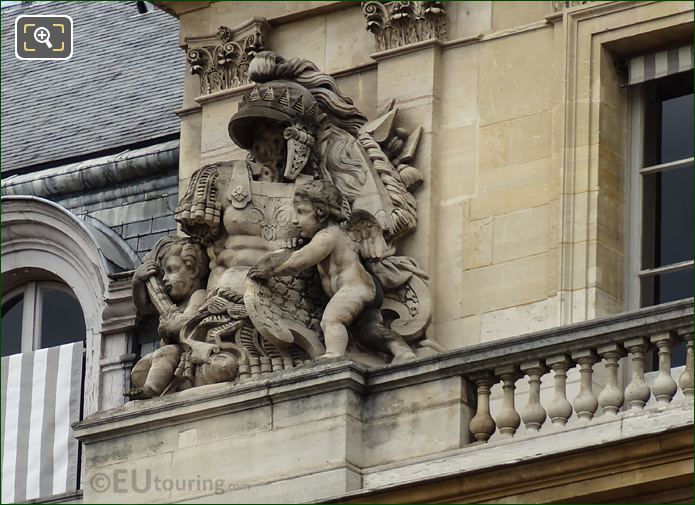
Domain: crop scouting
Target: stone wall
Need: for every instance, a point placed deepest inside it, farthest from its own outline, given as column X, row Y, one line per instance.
column 293, row 437
column 521, row 227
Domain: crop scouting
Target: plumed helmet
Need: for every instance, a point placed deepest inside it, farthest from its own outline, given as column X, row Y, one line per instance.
column 284, row 102
column 292, row 91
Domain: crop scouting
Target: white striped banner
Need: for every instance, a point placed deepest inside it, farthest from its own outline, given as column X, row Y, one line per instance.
column 656, row 65
column 40, row 399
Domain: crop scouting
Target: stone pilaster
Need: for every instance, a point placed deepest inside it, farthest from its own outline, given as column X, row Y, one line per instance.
column 411, row 75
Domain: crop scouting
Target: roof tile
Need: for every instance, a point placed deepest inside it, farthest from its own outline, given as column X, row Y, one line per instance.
column 121, row 86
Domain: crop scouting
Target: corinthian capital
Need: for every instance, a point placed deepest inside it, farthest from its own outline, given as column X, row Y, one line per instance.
column 397, row 24
column 222, row 60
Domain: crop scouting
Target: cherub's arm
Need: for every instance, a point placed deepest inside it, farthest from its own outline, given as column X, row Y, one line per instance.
column 140, row 297
column 170, row 325
column 320, row 247
column 196, row 301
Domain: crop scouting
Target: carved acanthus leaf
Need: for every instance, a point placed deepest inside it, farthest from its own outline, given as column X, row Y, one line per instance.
column 558, row 6
column 223, row 64
column 396, row 24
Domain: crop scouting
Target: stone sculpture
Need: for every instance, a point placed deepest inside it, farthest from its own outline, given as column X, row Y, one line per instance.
column 338, row 249
column 301, row 241
column 170, row 282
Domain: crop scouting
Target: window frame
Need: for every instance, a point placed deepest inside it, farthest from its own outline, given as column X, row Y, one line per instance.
column 32, row 291
column 637, row 235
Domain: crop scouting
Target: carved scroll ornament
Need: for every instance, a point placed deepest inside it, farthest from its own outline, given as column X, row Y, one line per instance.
column 558, row 6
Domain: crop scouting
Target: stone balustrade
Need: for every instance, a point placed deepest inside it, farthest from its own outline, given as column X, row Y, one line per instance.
column 584, row 346
column 334, row 428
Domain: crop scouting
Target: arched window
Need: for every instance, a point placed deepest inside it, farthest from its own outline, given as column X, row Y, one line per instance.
column 39, row 315
column 42, row 241
column 65, row 315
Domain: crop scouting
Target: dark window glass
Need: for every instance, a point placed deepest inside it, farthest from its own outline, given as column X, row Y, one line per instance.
column 677, row 128
column 671, row 192
column 667, row 231
column 12, row 326
column 668, row 119
column 62, row 321
column 147, row 337
column 668, row 287
column 674, row 286
column 678, row 354
column 668, row 211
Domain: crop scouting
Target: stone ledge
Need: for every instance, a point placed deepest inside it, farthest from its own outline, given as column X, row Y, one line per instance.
column 236, row 92
column 290, row 427
column 69, row 497
column 601, row 431
column 225, row 93
column 660, row 435
column 217, row 398
column 329, row 438
column 408, row 48
column 379, row 429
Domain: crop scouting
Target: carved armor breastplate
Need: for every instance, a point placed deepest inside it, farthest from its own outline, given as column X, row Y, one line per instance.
column 251, row 208
column 260, row 209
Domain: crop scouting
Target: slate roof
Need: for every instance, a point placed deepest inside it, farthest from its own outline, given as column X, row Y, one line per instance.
column 120, row 88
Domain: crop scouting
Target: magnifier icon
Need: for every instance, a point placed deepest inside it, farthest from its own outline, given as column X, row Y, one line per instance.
column 43, row 36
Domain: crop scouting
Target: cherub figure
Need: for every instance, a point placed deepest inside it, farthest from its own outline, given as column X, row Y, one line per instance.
column 171, row 280
column 337, row 247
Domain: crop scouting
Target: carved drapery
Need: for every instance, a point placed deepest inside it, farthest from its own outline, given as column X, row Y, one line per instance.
column 222, row 62
column 396, row 24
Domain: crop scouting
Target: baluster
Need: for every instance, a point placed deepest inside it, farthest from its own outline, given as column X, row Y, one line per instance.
column 686, row 379
column 482, row 425
column 664, row 386
column 533, row 414
column 561, row 409
column 508, row 420
column 611, row 397
column 585, row 404
column 637, row 392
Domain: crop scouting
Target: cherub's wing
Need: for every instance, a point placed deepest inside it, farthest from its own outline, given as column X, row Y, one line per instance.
column 407, row 304
column 365, row 231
